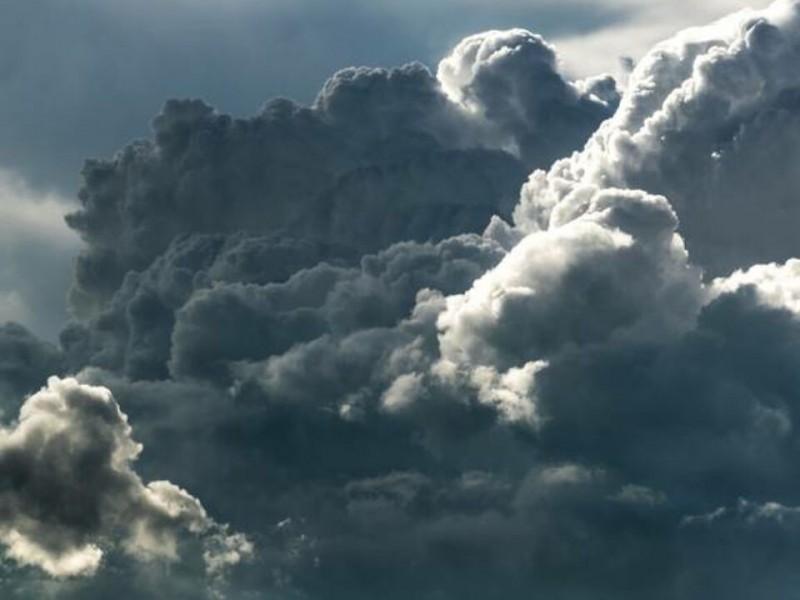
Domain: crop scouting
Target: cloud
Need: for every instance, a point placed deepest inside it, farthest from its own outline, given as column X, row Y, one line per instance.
column 292, row 219
column 71, row 494
column 701, row 111
column 596, row 398
column 382, row 156
column 511, row 79
column 610, row 402
column 376, row 146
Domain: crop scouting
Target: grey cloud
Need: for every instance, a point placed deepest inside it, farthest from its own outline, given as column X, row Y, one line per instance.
column 561, row 407
column 668, row 401
column 207, row 173
column 320, row 300
column 383, row 156
column 362, row 168
column 511, row 79
column 133, row 333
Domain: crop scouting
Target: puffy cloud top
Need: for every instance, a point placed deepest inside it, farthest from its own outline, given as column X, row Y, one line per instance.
column 511, row 79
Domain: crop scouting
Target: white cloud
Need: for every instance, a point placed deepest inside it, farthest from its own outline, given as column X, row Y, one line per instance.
column 71, row 493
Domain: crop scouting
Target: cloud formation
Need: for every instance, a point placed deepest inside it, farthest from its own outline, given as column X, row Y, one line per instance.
column 707, row 120
column 511, row 79
column 331, row 324
column 603, row 403
column 70, row 493
column 382, row 156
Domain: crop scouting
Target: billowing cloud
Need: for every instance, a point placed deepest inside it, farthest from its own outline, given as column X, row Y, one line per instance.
column 332, row 326
column 70, row 493
column 708, row 121
column 511, row 79
column 602, row 407
column 382, row 156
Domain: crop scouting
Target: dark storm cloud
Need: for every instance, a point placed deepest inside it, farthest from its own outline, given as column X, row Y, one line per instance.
column 382, row 156
column 79, row 79
column 587, row 411
column 325, row 299
column 391, row 404
column 219, row 220
column 284, row 171
column 133, row 332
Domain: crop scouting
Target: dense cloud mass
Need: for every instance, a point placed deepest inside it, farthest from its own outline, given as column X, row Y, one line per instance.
column 382, row 156
column 342, row 329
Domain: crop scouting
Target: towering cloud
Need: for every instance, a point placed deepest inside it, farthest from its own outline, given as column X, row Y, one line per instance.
column 510, row 79
column 382, row 156
column 709, row 120
column 331, row 324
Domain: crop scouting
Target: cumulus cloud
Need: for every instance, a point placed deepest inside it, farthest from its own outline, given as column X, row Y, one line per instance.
column 319, row 223
column 613, row 404
column 595, row 397
column 707, row 120
column 70, row 492
column 382, row 156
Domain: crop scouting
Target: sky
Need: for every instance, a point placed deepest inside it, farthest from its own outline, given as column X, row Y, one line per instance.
column 310, row 300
